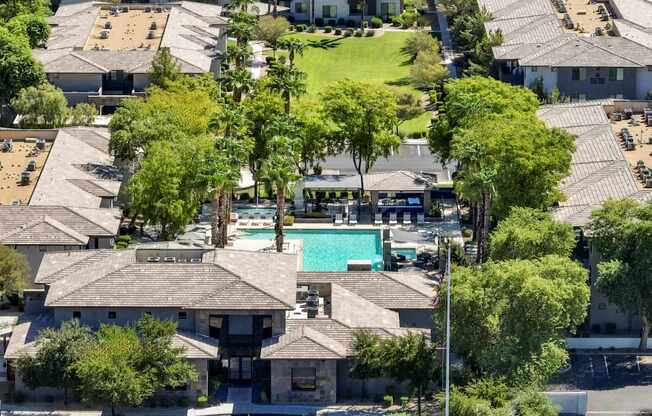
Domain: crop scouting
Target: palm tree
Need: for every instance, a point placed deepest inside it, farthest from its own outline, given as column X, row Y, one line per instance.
column 288, row 81
column 239, row 55
column 239, row 81
column 294, row 47
column 279, row 170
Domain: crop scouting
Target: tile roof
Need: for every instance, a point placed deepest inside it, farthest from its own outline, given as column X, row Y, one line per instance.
column 599, row 169
column 227, row 279
column 356, row 312
column 192, row 33
column 25, row 334
column 51, row 225
column 304, row 343
column 393, row 181
column 638, row 12
column 390, row 290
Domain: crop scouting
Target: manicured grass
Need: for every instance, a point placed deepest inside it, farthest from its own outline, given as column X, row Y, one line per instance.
column 376, row 60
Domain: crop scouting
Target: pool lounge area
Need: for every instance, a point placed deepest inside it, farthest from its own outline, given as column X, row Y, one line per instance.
column 330, row 249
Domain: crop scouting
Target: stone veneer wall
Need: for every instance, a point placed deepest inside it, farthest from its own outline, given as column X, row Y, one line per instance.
column 281, row 381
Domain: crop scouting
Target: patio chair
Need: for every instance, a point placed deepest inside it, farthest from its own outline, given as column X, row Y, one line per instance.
column 255, row 220
column 378, row 220
column 353, row 219
column 407, row 218
column 420, row 219
column 392, row 218
column 338, row 219
column 266, row 221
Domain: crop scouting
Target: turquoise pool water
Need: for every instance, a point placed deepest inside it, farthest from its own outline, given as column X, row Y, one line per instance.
column 330, row 250
column 408, row 253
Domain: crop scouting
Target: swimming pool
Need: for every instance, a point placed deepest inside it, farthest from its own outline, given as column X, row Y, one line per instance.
column 330, row 250
column 408, row 253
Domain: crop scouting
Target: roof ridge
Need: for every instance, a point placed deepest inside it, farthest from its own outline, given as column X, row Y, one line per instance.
column 88, row 61
column 64, row 228
column 404, row 284
column 304, row 331
column 617, row 54
column 74, row 211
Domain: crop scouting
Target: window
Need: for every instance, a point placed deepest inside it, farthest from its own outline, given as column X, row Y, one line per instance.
column 76, row 315
column 300, row 7
column 534, row 69
column 620, row 74
column 304, row 379
column 112, row 314
column 578, row 74
column 612, row 74
column 329, row 11
column 183, row 315
column 241, row 325
column 582, row 97
column 389, row 9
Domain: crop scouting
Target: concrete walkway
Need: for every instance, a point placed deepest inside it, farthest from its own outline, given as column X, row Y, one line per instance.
column 447, row 43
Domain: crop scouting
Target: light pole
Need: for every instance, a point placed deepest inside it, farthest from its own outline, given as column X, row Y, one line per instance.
column 448, row 328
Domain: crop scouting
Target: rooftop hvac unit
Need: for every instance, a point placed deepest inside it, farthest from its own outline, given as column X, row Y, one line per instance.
column 153, row 259
column 195, row 260
column 151, row 34
column 148, row 9
column 108, row 25
column 153, row 26
column 104, row 34
column 24, row 177
column 40, row 144
column 31, row 166
column 169, row 259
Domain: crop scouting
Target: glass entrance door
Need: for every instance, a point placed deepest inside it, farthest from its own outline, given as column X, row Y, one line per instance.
column 240, row 370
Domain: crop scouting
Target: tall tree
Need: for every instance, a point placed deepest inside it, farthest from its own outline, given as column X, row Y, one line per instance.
column 57, row 352
column 83, row 114
column 510, row 317
column 270, row 29
column 427, row 71
column 279, row 170
column 294, row 47
column 411, row 358
column 367, row 358
column 420, row 41
column 529, row 234
column 312, row 132
column 33, row 26
column 165, row 68
column 15, row 274
column 289, row 81
column 408, row 107
column 42, row 107
column 363, row 116
column 622, row 230
column 12, row 8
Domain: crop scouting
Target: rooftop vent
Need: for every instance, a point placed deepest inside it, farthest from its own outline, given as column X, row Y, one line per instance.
column 169, row 259
column 153, row 259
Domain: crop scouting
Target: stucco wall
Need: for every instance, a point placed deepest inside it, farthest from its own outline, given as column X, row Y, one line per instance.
column 76, row 82
column 141, row 81
column 643, row 83
column 278, row 319
column 35, row 254
column 95, row 316
column 610, row 89
column 415, row 318
column 281, row 384
column 548, row 76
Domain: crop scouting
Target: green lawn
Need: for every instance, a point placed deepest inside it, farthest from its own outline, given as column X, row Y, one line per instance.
column 376, row 60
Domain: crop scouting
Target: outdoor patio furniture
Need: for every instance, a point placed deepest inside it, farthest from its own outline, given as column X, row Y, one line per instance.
column 407, row 218
column 267, row 222
column 353, row 219
column 392, row 218
column 255, row 221
column 338, row 219
column 421, row 219
column 378, row 219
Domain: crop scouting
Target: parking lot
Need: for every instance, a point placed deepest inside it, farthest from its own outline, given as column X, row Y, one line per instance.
column 616, row 383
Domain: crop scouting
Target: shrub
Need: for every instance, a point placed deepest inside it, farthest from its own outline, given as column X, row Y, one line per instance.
column 341, row 21
column 244, row 196
column 291, row 28
column 328, row 29
column 126, row 238
column 348, row 32
column 183, row 401
column 19, row 396
column 610, row 328
column 288, row 220
column 300, row 28
column 467, row 233
column 202, row 401
column 365, row 24
column 331, row 22
column 396, row 21
column 388, row 400
column 121, row 245
column 369, row 33
column 338, row 31
column 319, row 21
column 359, row 33
column 311, row 29
column 376, row 22
column 404, row 401
column 351, row 23
column 315, row 214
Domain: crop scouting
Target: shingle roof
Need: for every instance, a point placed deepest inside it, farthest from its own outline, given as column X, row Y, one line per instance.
column 228, row 279
column 49, row 225
column 390, row 290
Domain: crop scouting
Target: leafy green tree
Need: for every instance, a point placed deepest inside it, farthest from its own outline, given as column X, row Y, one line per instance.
column 622, row 230
column 294, row 47
column 270, row 29
column 311, row 134
column 420, row 42
column 367, row 361
column 83, row 114
column 533, row 403
column 238, row 81
column 12, row 8
column 481, row 62
column 53, row 365
column 411, row 358
column 510, row 317
column 44, row 106
column 408, row 107
column 279, row 170
column 18, row 69
column 509, row 160
column 529, row 234
column 363, row 116
column 109, row 371
column 15, row 272
column 33, row 26
column 494, row 390
column 427, row 71
column 289, row 81
column 165, row 68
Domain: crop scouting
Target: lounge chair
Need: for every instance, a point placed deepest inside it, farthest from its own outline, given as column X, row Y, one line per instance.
column 392, row 218
column 338, row 219
column 353, row 219
column 407, row 218
column 243, row 222
column 379, row 219
column 420, row 219
column 267, row 221
column 255, row 220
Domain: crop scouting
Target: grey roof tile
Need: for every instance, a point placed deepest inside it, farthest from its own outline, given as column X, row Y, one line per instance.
column 304, row 343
